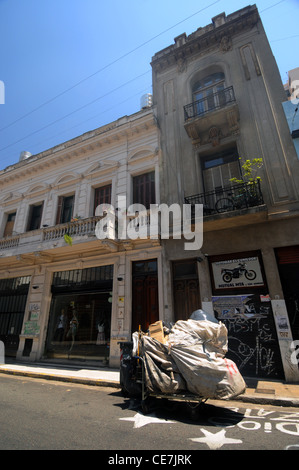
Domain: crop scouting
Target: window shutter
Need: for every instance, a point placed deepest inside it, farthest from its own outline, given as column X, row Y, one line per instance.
column 288, row 255
column 102, row 195
column 59, row 209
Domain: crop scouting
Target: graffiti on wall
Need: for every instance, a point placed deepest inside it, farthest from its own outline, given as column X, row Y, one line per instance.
column 252, row 342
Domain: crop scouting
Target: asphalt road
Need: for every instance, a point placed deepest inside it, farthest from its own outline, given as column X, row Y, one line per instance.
column 46, row 415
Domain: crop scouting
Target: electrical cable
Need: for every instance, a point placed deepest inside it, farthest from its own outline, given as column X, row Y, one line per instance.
column 106, row 66
column 73, row 112
column 100, row 70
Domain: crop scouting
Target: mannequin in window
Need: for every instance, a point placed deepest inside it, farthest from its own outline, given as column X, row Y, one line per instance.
column 60, row 327
column 74, row 325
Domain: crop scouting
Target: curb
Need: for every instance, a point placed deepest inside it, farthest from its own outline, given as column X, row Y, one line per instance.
column 63, row 378
column 258, row 400
column 275, row 401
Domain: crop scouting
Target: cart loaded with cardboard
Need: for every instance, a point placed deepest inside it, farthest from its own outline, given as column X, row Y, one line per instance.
column 184, row 361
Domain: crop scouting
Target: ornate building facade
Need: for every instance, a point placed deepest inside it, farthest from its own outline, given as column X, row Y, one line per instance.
column 65, row 291
column 217, row 103
column 219, row 96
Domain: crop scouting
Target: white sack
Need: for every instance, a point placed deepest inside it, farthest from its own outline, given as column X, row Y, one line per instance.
column 213, row 335
column 207, row 375
column 193, row 360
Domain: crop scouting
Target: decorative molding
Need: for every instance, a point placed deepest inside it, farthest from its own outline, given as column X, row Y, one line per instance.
column 215, row 136
column 100, row 167
column 225, row 44
column 217, row 35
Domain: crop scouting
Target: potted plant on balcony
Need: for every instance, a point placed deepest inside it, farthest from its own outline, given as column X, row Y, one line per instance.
column 68, row 239
column 250, row 169
column 75, row 218
column 250, row 181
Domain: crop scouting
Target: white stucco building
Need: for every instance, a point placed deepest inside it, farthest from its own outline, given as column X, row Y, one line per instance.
column 45, row 281
column 218, row 100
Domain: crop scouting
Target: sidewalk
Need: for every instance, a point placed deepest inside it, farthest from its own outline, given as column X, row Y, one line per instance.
column 76, row 373
column 258, row 391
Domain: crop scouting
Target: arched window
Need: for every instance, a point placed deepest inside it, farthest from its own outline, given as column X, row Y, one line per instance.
column 208, row 93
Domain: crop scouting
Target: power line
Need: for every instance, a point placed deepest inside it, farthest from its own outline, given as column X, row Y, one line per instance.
column 106, row 66
column 283, row 39
column 272, row 6
column 100, row 70
column 73, row 112
column 97, row 115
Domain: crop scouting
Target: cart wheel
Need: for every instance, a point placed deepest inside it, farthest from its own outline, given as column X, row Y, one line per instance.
column 195, row 410
column 125, row 393
column 145, row 406
column 169, row 405
column 194, row 414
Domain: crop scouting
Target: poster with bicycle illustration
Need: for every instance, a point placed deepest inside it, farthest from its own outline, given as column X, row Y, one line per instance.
column 237, row 273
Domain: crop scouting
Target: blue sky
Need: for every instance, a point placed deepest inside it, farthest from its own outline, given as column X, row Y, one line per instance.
column 69, row 66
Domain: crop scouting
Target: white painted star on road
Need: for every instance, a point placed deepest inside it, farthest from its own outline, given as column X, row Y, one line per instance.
column 142, row 420
column 215, row 441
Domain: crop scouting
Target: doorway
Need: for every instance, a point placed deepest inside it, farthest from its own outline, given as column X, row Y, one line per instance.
column 185, row 288
column 145, row 299
column 288, row 266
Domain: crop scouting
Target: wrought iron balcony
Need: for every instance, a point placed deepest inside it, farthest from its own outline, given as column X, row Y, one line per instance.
column 231, row 198
column 213, row 117
column 209, row 103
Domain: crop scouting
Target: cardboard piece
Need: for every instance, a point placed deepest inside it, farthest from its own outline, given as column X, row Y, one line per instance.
column 156, row 331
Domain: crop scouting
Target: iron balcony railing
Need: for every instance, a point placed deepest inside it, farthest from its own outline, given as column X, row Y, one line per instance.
column 209, row 103
column 227, row 199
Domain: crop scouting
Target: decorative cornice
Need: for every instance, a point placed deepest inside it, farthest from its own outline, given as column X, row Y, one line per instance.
column 116, row 131
column 215, row 35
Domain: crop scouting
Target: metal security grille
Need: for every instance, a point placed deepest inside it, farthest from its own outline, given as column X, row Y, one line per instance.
column 14, row 285
column 83, row 279
column 13, row 298
column 11, row 314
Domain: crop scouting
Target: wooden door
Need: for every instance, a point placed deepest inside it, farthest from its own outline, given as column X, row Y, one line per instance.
column 9, row 225
column 145, row 302
column 186, row 294
column 186, row 298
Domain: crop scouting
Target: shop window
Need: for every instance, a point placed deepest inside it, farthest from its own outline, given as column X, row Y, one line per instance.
column 8, row 230
column 35, row 217
column 79, row 326
column 144, row 189
column 102, row 195
column 64, row 209
column 80, row 314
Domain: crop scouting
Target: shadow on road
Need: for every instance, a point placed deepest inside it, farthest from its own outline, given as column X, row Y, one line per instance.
column 183, row 411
